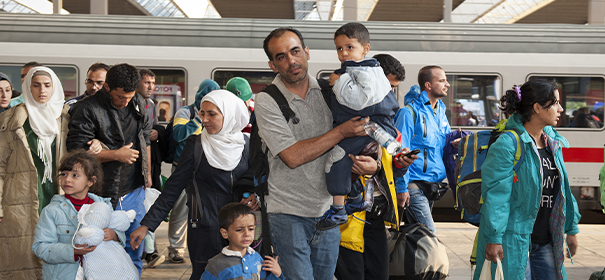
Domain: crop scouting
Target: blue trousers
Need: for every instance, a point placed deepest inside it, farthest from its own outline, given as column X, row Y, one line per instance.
column 421, row 207
column 304, row 251
column 134, row 201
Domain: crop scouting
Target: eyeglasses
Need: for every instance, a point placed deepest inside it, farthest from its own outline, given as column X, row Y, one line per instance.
column 96, row 83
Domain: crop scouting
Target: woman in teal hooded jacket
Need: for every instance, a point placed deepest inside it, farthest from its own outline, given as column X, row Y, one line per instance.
column 525, row 216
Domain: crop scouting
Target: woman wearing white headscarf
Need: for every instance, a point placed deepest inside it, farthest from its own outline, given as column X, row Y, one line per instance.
column 32, row 140
column 224, row 160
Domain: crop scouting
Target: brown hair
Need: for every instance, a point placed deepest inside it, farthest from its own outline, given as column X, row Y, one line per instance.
column 90, row 166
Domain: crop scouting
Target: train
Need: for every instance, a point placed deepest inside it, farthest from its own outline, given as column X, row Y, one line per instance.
column 481, row 62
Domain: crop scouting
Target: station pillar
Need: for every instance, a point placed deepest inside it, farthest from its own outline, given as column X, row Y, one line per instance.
column 447, row 11
column 98, row 7
column 596, row 11
column 349, row 10
column 57, row 6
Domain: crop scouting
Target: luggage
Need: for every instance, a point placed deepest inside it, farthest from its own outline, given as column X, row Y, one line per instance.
column 472, row 152
column 416, row 253
column 486, row 272
column 597, row 275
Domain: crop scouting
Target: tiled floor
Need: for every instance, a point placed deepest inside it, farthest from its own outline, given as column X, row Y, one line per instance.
column 457, row 237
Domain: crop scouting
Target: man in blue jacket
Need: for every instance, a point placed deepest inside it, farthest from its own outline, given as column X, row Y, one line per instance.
column 425, row 127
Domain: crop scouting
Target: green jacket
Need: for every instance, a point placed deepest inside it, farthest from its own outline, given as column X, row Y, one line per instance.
column 511, row 202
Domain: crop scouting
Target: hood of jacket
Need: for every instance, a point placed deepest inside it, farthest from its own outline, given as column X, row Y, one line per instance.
column 206, row 86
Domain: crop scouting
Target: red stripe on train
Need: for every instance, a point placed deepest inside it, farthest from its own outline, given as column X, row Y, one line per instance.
column 583, row 155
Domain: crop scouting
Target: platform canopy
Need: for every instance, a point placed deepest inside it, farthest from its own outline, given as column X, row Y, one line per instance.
column 463, row 11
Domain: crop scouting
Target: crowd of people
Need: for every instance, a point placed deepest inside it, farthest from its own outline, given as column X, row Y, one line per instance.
column 104, row 146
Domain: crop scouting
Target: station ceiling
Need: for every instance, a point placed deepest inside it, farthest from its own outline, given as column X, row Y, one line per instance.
column 534, row 11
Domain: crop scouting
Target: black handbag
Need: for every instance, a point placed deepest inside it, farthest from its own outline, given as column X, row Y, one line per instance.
column 432, row 191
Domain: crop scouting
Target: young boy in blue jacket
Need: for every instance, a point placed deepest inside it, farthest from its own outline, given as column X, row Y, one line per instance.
column 360, row 89
column 238, row 260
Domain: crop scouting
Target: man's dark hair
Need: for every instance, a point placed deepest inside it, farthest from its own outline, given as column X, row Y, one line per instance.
column 354, row 30
column 146, row 72
column 232, row 211
column 98, row 66
column 31, row 64
column 278, row 33
column 390, row 65
column 426, row 75
column 124, row 76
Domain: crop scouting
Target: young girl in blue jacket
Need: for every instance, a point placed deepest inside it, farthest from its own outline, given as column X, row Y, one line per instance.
column 525, row 216
column 79, row 172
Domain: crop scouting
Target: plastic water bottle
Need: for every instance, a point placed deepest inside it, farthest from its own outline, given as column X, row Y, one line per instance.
column 383, row 138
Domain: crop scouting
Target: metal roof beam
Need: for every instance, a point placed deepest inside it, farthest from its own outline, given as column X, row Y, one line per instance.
column 511, row 11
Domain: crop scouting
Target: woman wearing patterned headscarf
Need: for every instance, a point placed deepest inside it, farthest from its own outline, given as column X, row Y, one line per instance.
column 224, row 159
column 32, row 140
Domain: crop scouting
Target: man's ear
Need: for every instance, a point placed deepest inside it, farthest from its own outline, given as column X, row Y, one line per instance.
column 106, row 86
column 272, row 66
column 307, row 52
column 224, row 233
column 428, row 86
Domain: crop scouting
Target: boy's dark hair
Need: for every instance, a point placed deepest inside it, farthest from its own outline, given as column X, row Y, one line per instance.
column 98, row 66
column 90, row 165
column 232, row 211
column 533, row 91
column 124, row 76
column 426, row 75
column 146, row 72
column 278, row 33
column 354, row 30
column 390, row 65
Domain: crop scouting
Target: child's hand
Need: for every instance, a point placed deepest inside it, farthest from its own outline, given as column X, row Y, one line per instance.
column 333, row 78
column 270, row 264
column 110, row 234
column 85, row 250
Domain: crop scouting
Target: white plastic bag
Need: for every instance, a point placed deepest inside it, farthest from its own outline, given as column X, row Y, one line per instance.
column 486, row 272
column 151, row 195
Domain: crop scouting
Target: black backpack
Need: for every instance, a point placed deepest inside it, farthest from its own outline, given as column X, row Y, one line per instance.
column 258, row 154
column 170, row 142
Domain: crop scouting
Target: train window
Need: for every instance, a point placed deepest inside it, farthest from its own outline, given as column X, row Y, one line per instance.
column 473, row 100
column 68, row 75
column 170, row 91
column 582, row 99
column 257, row 78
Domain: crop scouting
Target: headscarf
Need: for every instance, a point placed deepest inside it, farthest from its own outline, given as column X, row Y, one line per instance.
column 206, row 86
column 43, row 117
column 224, row 149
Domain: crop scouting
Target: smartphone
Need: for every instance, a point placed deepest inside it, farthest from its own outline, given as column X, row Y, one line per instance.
column 411, row 153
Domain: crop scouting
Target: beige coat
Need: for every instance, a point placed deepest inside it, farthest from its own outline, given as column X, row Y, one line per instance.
column 19, row 194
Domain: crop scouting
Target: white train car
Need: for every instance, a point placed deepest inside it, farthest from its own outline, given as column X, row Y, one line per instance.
column 481, row 61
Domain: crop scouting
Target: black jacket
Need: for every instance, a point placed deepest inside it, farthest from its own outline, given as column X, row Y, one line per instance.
column 95, row 117
column 215, row 187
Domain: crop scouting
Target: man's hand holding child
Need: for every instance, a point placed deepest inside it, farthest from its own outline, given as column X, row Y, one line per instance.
column 270, row 264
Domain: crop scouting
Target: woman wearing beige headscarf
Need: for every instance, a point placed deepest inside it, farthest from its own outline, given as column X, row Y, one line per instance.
column 32, row 140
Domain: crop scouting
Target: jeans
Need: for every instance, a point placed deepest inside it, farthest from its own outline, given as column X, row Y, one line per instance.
column 134, row 201
column 541, row 261
column 303, row 250
column 177, row 226
column 421, row 207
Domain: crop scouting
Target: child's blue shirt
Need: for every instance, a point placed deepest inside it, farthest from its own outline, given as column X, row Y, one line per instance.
column 230, row 265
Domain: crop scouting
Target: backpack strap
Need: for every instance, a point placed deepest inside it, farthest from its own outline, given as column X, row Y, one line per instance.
column 326, row 91
column 519, row 149
column 282, row 103
column 412, row 112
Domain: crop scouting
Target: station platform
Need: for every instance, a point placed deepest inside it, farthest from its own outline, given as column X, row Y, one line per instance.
column 458, row 239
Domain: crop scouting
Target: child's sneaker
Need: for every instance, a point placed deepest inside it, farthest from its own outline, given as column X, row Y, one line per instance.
column 357, row 204
column 332, row 218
